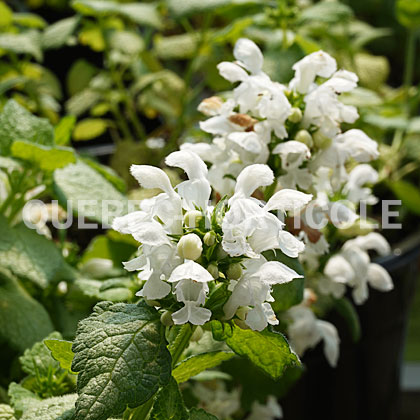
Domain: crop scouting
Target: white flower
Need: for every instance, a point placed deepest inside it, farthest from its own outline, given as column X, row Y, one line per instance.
column 306, row 331
column 269, row 411
column 359, row 176
column 318, row 63
column 249, row 228
column 254, row 288
column 191, row 289
column 196, row 191
column 352, row 266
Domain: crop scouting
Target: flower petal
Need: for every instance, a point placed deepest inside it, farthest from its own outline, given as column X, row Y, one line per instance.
column 248, row 53
column 251, row 178
column 231, row 72
column 379, row 278
column 189, row 161
column 275, row 272
column 152, row 177
column 190, row 270
column 288, row 200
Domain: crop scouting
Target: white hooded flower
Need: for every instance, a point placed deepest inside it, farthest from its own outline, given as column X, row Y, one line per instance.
column 269, row 411
column 358, row 177
column 352, row 266
column 318, row 63
column 254, row 288
column 305, row 331
column 191, row 288
column 293, row 154
column 249, row 228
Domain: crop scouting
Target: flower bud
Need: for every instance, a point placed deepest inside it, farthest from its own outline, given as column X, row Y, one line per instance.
column 166, row 319
column 295, row 115
column 192, row 218
column 152, row 302
column 304, row 137
column 209, row 238
column 213, row 270
column 197, row 334
column 190, row 247
column 234, row 272
column 321, row 141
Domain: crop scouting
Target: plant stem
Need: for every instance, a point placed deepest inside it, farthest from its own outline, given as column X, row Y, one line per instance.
column 142, row 412
column 409, row 64
column 181, row 342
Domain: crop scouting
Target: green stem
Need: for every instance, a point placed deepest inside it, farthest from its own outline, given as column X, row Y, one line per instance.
column 409, row 64
column 181, row 342
column 142, row 412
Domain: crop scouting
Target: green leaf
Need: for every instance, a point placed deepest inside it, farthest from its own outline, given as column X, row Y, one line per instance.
column 347, row 310
column 200, row 414
column 61, row 352
column 102, row 246
column 59, row 33
column 45, row 157
column 121, row 357
column 387, row 123
column 31, row 256
column 5, row 15
column 98, row 289
column 88, row 193
column 181, row 8
column 408, row 13
column 169, row 404
column 21, row 399
column 141, row 13
column 37, row 360
column 7, row 412
column 55, row 408
column 29, row 20
column 16, row 123
column 108, row 173
column 24, row 43
column 82, row 101
column 63, row 130
column 79, row 76
column 408, row 193
column 270, row 351
column 176, row 47
column 196, row 364
column 23, row 320
column 326, row 12
column 89, row 128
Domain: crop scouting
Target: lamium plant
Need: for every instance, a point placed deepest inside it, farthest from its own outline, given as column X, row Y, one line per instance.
column 244, row 258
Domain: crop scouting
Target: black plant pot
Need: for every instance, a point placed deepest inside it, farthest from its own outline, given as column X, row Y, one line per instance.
column 366, row 382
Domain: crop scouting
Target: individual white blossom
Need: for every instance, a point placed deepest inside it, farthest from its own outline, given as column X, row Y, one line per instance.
column 269, row 411
column 305, row 331
column 352, row 266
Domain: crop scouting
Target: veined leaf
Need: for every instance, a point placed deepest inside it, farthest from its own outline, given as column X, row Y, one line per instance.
column 122, row 359
column 169, row 404
column 58, row 34
column 196, row 364
column 89, row 193
column 32, row 256
column 270, row 351
column 200, row 414
column 37, row 360
column 24, row 43
column 55, row 408
column 23, row 320
column 61, row 351
column 141, row 13
column 16, row 123
column 21, row 398
column 46, row 158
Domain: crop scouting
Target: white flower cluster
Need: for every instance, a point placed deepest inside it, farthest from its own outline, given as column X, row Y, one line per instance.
column 296, row 130
column 190, row 248
column 285, row 141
